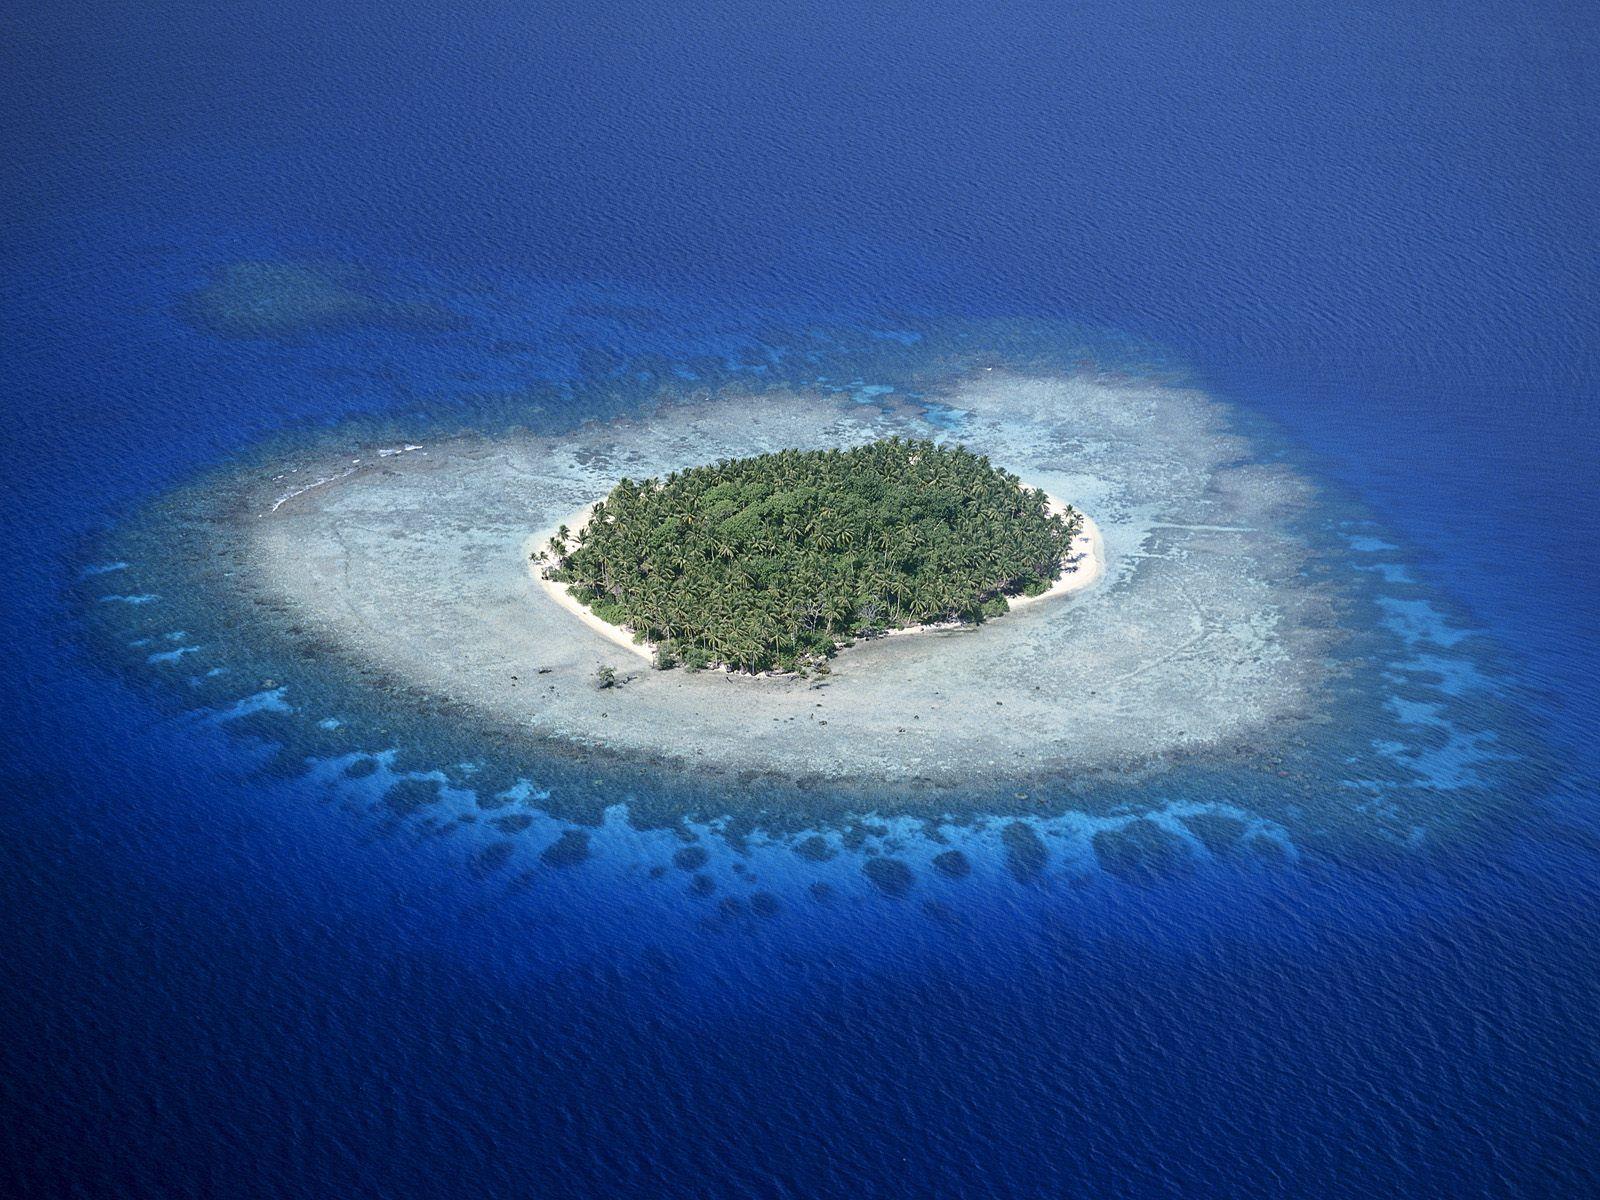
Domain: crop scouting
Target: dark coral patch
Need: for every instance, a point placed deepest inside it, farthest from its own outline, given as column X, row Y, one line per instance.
column 892, row 876
column 1218, row 832
column 492, row 857
column 410, row 796
column 571, row 848
column 1026, row 855
column 1141, row 852
column 814, row 848
column 691, row 858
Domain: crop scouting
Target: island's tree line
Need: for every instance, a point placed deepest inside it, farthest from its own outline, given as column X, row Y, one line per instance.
column 772, row 562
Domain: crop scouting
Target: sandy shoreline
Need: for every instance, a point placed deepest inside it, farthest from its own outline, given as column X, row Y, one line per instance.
column 1087, row 567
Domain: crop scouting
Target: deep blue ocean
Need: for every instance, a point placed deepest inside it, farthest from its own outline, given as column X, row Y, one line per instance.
column 1373, row 227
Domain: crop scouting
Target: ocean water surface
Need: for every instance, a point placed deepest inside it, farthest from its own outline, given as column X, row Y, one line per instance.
column 271, row 932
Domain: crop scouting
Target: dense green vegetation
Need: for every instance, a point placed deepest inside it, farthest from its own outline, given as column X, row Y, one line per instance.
column 772, row 562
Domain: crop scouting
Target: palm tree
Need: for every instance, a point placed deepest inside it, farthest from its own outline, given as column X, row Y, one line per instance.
column 768, row 559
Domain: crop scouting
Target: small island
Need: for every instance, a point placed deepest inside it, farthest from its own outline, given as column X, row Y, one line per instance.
column 1185, row 619
column 774, row 562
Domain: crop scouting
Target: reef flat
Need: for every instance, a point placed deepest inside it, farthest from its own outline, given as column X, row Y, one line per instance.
column 1261, row 664
column 411, row 562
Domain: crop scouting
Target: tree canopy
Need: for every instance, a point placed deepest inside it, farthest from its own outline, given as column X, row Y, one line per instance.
column 773, row 562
